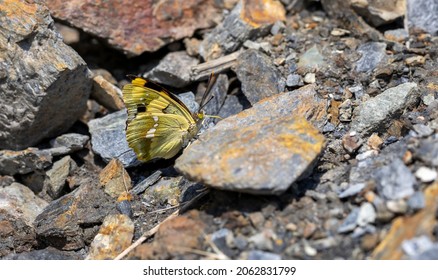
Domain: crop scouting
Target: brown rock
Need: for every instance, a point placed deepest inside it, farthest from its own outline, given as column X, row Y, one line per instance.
column 107, row 94
column 247, row 21
column 380, row 12
column 138, row 26
column 375, row 142
column 417, row 60
column 114, row 178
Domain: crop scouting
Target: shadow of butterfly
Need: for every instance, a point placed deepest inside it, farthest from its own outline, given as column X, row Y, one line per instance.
column 159, row 125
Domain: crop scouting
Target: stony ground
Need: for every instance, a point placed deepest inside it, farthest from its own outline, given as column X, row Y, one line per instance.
column 327, row 147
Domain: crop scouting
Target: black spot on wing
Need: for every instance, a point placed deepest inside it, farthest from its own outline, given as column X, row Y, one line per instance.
column 141, row 108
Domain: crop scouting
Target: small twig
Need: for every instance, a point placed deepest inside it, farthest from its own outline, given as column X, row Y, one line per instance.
column 153, row 230
column 202, row 71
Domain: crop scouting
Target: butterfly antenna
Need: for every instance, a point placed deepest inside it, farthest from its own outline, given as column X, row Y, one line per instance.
column 131, row 76
column 211, row 82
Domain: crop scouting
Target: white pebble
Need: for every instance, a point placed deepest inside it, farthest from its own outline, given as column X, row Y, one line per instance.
column 426, row 174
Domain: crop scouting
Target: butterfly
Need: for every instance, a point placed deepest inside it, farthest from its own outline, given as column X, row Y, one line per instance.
column 159, row 125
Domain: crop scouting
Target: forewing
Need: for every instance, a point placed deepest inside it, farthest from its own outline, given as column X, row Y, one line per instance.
column 156, row 135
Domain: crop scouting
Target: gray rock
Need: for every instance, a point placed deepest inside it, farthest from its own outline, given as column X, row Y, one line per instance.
column 108, row 138
column 415, row 246
column 188, row 98
column 427, row 151
column 258, row 75
column 378, row 13
column 262, row 255
column 373, row 54
column 45, row 83
column 416, row 201
column 395, row 181
column 173, row 70
column 429, row 254
column 278, row 27
column 399, row 35
column 231, row 106
column 222, row 239
column 71, row 222
column 352, row 190
column 312, row 60
column 378, row 112
column 423, row 14
column 45, row 254
column 350, row 222
column 68, row 143
column 422, row 130
column 57, row 176
column 149, row 181
column 23, row 162
column 262, row 240
column 294, row 80
column 219, row 93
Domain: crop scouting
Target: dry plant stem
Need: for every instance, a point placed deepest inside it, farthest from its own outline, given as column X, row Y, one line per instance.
column 202, row 71
column 153, row 230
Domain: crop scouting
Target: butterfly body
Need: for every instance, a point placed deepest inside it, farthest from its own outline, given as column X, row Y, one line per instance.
column 159, row 125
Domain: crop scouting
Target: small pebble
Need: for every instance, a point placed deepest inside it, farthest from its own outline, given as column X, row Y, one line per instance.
column 310, row 78
column 426, row 175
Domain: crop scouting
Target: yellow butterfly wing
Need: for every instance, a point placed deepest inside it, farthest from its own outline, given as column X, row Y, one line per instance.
column 159, row 125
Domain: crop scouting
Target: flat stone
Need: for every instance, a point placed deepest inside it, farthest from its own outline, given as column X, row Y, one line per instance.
column 219, row 93
column 373, row 54
column 380, row 12
column 249, row 19
column 136, row 28
column 423, row 14
column 379, row 111
column 58, row 174
column 114, row 179
column 45, row 83
column 258, row 75
column 115, row 235
column 367, row 214
column 427, row 151
column 23, row 162
column 294, row 80
column 395, row 180
column 108, row 138
column 71, row 221
column 352, row 190
column 68, row 143
column 311, row 61
column 107, row 94
column 173, row 70
column 397, row 35
column 262, row 150
column 231, row 106
column 422, row 130
column 425, row 174
column 350, row 222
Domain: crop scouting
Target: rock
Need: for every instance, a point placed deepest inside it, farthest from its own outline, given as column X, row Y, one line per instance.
column 188, row 98
column 165, row 191
column 41, row 77
column 376, row 113
column 426, row 175
column 294, row 80
column 397, row 35
column 48, row 253
column 249, row 19
column 173, row 70
column 423, row 14
column 311, row 61
column 395, row 181
column 310, row 78
column 408, row 227
column 114, row 179
column 253, row 151
column 345, row 111
column 380, row 12
column 373, row 54
column 108, row 138
column 262, row 47
column 375, row 142
column 309, row 250
column 422, row 130
column 351, row 142
column 258, row 75
column 6, row 180
column 69, row 223
column 416, row 246
column 115, row 235
column 427, row 151
column 166, row 21
column 68, row 143
column 57, row 176
column 350, row 222
column 222, row 239
column 219, row 93
column 416, row 60
column 149, row 181
column 262, row 255
column 231, row 106
column 416, row 201
column 352, row 190
column 23, row 162
column 107, row 94
column 397, row 206
column 429, row 254
column 19, row 207
column 262, row 240
column 367, row 214
column 69, row 35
